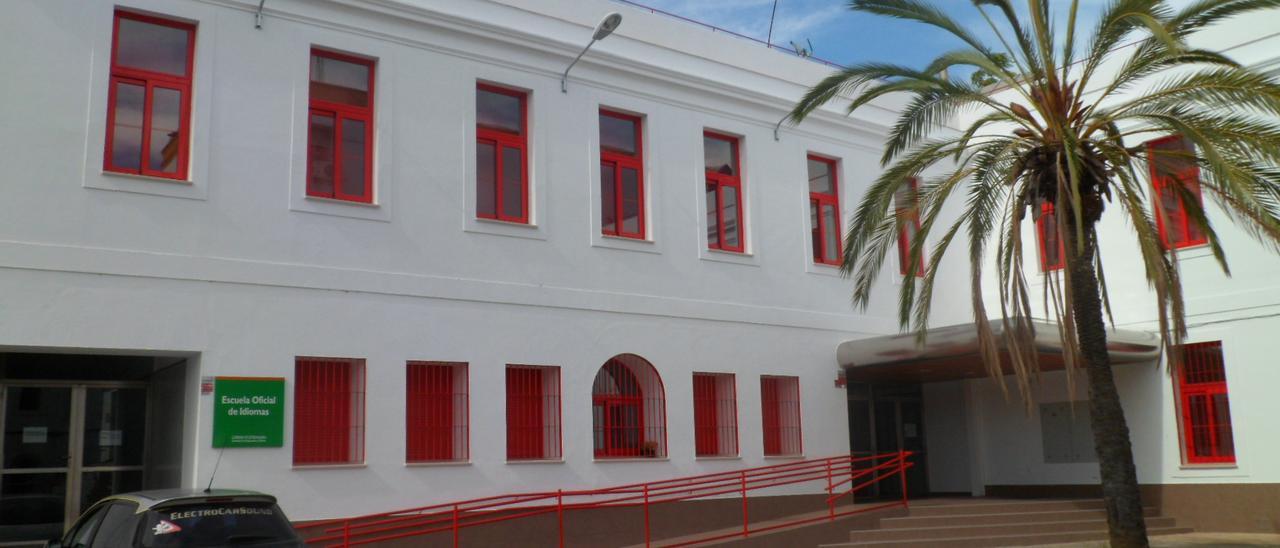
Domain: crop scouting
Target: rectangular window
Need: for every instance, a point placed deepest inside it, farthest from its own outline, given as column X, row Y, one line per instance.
column 1051, row 250
column 149, row 98
column 1172, row 162
column 715, row 415
column 502, row 159
column 724, row 192
column 907, row 208
column 824, row 210
column 621, row 175
column 1206, row 413
column 780, row 409
column 340, row 127
column 328, row 411
column 436, row 411
column 533, row 412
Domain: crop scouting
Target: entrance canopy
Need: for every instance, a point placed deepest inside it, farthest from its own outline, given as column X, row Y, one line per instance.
column 951, row 353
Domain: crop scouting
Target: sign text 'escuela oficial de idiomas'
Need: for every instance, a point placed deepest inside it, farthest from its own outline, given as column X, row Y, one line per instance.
column 248, row 412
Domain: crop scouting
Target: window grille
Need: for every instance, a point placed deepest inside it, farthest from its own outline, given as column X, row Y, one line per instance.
column 715, row 415
column 1206, row 412
column 780, row 408
column 628, row 409
column 533, row 412
column 328, row 418
column 436, row 414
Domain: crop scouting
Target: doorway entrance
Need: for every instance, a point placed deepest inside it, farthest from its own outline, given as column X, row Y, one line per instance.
column 66, row 445
column 886, row 418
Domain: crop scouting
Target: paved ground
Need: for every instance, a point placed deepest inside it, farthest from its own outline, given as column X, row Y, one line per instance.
column 1196, row 540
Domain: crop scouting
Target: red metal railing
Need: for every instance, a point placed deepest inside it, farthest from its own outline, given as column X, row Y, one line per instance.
column 840, row 476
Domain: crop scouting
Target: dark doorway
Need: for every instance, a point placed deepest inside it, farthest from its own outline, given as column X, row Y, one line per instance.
column 887, row 418
column 76, row 428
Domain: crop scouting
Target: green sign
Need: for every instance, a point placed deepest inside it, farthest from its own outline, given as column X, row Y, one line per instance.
column 248, row 412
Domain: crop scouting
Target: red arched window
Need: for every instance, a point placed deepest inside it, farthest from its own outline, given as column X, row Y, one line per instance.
column 628, row 409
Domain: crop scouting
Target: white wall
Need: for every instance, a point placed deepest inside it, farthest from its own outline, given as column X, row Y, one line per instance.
column 238, row 268
column 946, row 435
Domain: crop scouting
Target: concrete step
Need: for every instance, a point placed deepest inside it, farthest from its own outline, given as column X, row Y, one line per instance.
column 912, row 521
column 970, row 508
column 1006, row 529
column 985, row 541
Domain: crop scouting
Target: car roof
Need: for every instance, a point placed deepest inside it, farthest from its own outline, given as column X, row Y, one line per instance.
column 147, row 500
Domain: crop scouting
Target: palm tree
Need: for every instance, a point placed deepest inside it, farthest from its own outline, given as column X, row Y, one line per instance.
column 1067, row 139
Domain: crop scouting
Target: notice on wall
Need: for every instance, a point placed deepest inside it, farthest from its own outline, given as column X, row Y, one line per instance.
column 35, row 434
column 110, row 438
column 248, row 412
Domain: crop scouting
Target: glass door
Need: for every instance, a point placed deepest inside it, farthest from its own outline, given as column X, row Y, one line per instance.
column 64, row 447
column 35, row 461
column 114, row 436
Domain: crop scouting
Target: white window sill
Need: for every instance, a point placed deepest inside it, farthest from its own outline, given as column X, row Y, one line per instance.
column 322, row 199
column 821, row 269
column 437, row 463
column 536, row 461
column 354, row 465
column 137, row 183
column 632, row 459
column 784, row 457
column 623, row 243
column 144, row 177
column 731, row 257
column 374, row 211
column 1193, row 252
column 719, row 457
column 1223, row 466
column 496, row 227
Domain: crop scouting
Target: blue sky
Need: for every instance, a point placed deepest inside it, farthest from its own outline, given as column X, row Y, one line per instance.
column 844, row 36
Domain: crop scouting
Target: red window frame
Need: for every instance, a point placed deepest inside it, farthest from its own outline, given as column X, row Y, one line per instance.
column 504, row 140
column 1047, row 222
column 340, row 112
column 717, row 182
column 533, row 413
column 909, row 214
column 328, row 411
column 150, row 80
column 436, row 412
column 818, row 200
column 780, row 407
column 619, row 161
column 1189, row 178
column 622, row 429
column 1205, row 407
column 715, row 415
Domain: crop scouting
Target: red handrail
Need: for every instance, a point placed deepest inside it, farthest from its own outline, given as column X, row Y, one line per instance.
column 835, row 472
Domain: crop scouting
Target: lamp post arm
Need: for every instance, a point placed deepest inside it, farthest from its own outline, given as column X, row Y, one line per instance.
column 564, row 78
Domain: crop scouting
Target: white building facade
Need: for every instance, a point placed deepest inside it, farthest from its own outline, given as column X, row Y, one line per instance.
column 329, row 198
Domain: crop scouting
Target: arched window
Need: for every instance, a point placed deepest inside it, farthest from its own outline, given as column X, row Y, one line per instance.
column 628, row 409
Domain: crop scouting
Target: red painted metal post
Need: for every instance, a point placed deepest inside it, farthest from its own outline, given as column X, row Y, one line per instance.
column 560, row 514
column 831, row 503
column 902, row 473
column 455, row 526
column 346, row 533
column 745, row 530
column 646, row 515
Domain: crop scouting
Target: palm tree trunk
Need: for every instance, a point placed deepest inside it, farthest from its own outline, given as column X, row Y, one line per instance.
column 1110, row 432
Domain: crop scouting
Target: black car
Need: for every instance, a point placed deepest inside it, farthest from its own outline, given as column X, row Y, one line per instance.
column 182, row 517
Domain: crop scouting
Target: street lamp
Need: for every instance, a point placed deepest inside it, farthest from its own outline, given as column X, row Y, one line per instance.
column 605, row 28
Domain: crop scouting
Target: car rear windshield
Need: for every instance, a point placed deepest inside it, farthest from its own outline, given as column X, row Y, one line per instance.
column 222, row 524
